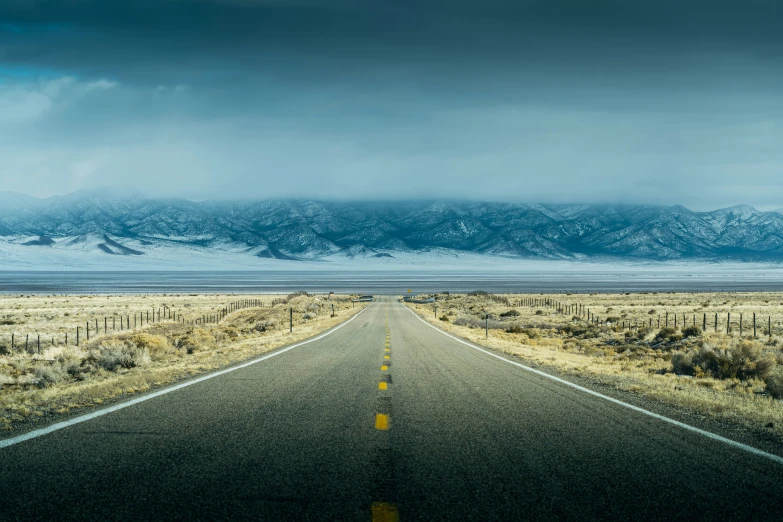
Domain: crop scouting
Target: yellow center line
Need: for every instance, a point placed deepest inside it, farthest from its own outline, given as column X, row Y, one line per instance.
column 387, row 357
column 381, row 421
column 382, row 385
column 384, row 368
column 384, row 512
column 386, row 349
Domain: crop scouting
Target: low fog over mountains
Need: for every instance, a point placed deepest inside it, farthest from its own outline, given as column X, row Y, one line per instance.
column 313, row 230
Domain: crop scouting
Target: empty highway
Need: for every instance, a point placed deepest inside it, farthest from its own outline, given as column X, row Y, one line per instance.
column 384, row 418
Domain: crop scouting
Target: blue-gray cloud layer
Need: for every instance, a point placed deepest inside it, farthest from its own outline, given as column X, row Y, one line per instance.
column 664, row 102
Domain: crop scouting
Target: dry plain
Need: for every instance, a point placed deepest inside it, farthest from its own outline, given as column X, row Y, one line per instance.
column 729, row 373
column 134, row 354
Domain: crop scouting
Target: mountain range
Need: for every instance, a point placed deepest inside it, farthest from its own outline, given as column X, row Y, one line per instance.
column 289, row 229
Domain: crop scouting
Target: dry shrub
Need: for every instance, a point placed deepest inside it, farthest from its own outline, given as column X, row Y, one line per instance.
column 68, row 365
column 50, row 374
column 197, row 339
column 472, row 321
column 156, row 345
column 740, row 360
column 265, row 326
column 775, row 383
column 691, row 331
column 667, row 334
column 113, row 354
column 231, row 332
column 638, row 335
column 682, row 364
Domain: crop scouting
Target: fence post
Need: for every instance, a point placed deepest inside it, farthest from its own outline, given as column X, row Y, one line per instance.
column 704, row 324
column 486, row 326
column 13, row 347
column 740, row 325
column 728, row 323
column 77, row 336
column 291, row 320
column 754, row 325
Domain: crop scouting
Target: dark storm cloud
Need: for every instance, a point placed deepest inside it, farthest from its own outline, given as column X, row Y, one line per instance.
column 152, row 39
column 594, row 100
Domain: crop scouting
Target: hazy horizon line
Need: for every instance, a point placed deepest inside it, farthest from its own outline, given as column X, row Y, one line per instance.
column 120, row 193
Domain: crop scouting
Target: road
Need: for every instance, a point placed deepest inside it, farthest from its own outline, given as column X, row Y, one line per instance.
column 311, row 435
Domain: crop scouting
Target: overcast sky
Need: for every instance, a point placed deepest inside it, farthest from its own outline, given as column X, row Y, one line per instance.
column 666, row 101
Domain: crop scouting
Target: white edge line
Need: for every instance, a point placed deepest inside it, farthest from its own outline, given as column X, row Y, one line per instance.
column 111, row 409
column 708, row 434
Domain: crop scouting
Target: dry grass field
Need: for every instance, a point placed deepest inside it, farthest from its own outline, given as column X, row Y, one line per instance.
column 60, row 378
column 728, row 375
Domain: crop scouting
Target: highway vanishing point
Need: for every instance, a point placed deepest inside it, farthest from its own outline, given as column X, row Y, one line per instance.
column 383, row 418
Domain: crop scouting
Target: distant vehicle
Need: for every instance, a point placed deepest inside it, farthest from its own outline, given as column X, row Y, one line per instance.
column 364, row 298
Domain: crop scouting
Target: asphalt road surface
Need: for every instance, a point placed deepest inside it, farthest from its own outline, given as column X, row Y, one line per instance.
column 333, row 430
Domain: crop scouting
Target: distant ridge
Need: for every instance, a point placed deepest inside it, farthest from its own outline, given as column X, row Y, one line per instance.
column 295, row 230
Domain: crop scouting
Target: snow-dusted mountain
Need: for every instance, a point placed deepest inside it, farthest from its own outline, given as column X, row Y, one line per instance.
column 315, row 230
